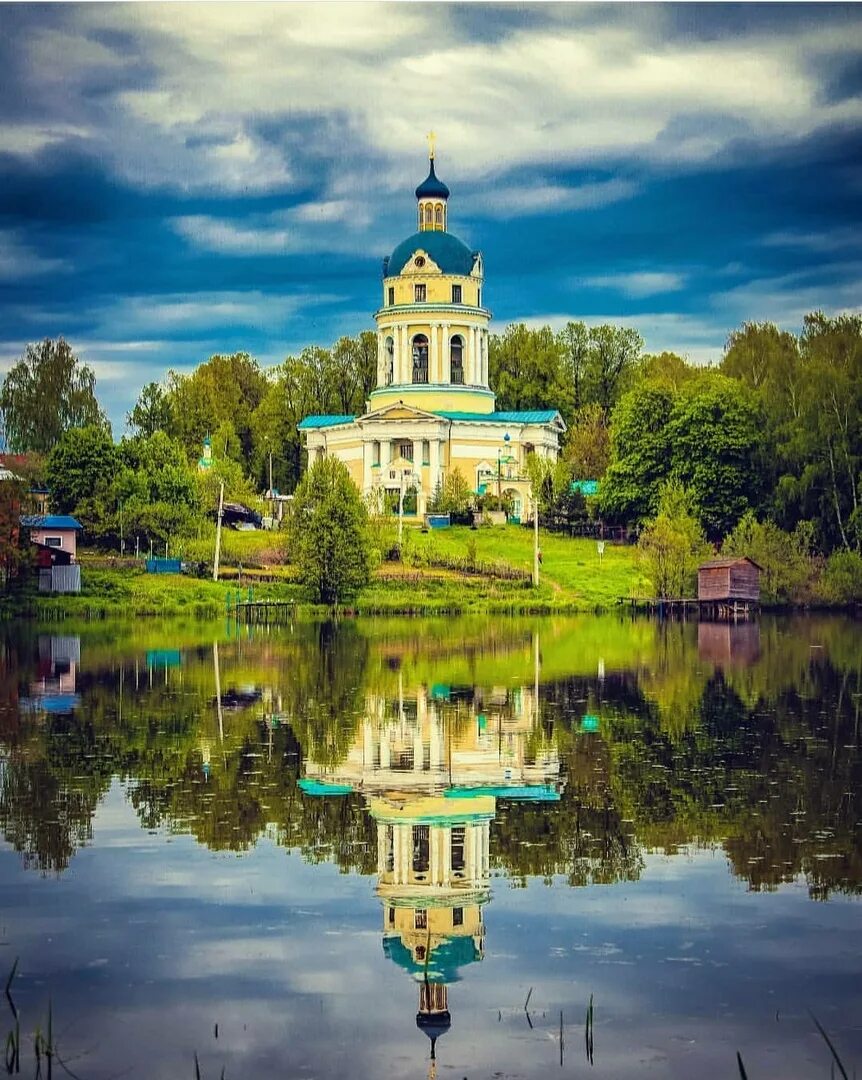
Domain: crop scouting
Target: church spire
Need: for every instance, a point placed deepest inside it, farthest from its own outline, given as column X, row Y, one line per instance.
column 432, row 195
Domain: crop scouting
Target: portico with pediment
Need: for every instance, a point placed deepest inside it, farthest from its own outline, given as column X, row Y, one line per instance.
column 433, row 409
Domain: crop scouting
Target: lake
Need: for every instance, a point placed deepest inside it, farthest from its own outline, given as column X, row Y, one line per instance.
column 407, row 848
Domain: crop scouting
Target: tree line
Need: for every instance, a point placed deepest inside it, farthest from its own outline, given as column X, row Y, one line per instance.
column 771, row 435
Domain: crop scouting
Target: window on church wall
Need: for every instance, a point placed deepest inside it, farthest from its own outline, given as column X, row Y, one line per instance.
column 426, row 460
column 421, row 849
column 420, row 356
column 438, row 214
column 456, row 294
column 479, row 298
column 420, row 293
column 390, row 849
column 429, row 214
column 457, row 916
column 391, row 295
column 420, row 922
column 457, row 849
column 375, row 453
column 390, row 361
column 456, row 372
column 392, row 916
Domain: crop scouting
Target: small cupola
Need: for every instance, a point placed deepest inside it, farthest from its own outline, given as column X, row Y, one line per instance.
column 432, row 195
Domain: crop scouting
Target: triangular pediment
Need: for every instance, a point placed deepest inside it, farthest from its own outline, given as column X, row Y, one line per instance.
column 398, row 411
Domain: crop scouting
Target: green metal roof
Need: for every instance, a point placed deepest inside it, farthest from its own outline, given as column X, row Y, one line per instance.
column 318, row 421
column 528, row 416
column 523, row 792
column 443, row 963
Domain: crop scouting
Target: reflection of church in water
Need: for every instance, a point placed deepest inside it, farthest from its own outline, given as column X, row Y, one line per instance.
column 432, row 765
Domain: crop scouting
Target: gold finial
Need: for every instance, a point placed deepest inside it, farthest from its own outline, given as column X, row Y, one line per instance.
column 432, row 142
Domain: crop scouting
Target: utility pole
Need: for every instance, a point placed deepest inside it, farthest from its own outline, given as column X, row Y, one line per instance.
column 218, row 531
column 401, row 511
column 535, row 541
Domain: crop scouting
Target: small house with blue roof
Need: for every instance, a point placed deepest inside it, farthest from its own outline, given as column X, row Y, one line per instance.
column 433, row 410
column 57, row 534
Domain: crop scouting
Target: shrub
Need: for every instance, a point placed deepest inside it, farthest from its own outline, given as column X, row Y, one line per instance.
column 842, row 579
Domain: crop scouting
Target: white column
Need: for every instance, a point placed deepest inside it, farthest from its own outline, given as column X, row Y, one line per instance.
column 385, row 756
column 381, row 358
column 446, row 351
column 408, row 356
column 434, row 732
column 403, row 367
column 474, row 348
column 434, row 461
column 366, row 464
column 434, row 844
column 433, row 358
column 483, row 355
column 418, row 756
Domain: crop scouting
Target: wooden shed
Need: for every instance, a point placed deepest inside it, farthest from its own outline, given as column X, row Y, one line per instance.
column 731, row 580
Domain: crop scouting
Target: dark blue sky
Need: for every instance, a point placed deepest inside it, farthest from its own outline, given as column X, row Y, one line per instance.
column 181, row 180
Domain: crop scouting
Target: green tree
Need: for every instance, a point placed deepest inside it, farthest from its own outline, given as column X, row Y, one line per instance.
column 152, row 411
column 80, row 470
column 47, row 392
column 224, row 390
column 588, row 443
column 788, row 570
column 640, row 453
column 328, row 533
column 714, row 433
column 613, row 355
column 574, row 345
column 672, row 544
column 525, row 367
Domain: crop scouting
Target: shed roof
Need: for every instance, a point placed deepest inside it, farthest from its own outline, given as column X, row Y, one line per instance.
column 49, row 521
column 734, row 560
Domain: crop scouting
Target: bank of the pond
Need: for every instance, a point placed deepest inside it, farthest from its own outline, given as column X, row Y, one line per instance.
column 456, row 570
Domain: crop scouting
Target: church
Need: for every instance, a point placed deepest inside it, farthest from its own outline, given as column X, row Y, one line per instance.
column 433, row 409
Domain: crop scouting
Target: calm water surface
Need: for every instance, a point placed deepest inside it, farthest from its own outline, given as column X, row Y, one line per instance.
column 360, row 850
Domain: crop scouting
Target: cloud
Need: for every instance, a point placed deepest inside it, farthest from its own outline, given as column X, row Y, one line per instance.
column 18, row 259
column 827, row 240
column 177, row 107
column 543, row 198
column 638, row 285
column 333, row 225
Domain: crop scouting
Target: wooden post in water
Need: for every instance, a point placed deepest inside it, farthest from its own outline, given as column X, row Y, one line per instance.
column 218, row 531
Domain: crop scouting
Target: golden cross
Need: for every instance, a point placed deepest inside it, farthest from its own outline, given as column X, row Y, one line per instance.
column 432, row 140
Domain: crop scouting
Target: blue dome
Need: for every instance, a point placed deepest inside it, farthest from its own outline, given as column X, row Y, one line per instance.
column 431, row 187
column 451, row 254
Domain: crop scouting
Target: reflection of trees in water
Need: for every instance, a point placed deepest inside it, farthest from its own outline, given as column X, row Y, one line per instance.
column 762, row 758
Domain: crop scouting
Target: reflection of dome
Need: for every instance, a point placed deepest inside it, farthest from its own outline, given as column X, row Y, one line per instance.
column 434, row 1024
column 447, row 251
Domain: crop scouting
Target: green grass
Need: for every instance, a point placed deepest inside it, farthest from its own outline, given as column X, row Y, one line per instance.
column 573, row 579
column 572, row 575
column 134, row 593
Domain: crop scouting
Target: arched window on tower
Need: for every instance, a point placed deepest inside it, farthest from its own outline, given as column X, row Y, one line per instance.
column 420, row 359
column 390, row 361
column 421, row 213
column 456, row 361
column 438, row 215
column 429, row 214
